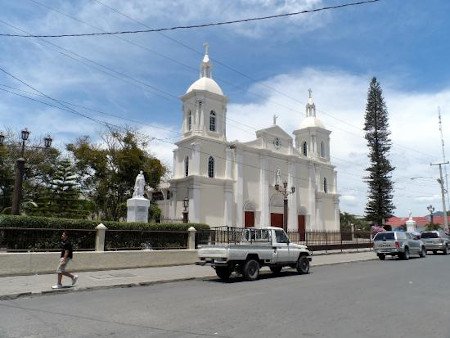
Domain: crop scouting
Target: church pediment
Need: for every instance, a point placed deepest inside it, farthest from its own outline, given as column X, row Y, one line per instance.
column 274, row 131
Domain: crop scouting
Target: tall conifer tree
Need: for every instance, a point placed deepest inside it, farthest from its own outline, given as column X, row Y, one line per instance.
column 379, row 205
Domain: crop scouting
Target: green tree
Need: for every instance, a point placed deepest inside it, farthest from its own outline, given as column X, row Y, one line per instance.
column 6, row 178
column 38, row 169
column 61, row 198
column 379, row 205
column 107, row 172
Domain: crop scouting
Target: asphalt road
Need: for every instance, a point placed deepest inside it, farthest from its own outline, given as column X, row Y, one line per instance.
column 392, row 298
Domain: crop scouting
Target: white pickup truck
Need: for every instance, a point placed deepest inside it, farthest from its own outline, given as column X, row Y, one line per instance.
column 245, row 251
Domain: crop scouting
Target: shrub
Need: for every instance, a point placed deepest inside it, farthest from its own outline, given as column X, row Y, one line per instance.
column 43, row 233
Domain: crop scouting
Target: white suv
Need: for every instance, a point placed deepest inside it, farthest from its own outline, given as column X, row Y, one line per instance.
column 396, row 243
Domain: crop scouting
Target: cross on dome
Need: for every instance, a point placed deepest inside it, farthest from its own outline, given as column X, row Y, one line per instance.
column 310, row 106
column 205, row 68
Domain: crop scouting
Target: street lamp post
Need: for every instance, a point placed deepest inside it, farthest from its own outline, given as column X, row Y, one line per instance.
column 185, row 211
column 431, row 210
column 285, row 192
column 20, row 170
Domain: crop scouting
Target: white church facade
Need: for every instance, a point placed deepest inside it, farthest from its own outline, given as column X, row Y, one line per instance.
column 233, row 183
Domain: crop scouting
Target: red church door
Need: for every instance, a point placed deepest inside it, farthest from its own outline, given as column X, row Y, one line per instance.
column 249, row 219
column 301, row 227
column 276, row 220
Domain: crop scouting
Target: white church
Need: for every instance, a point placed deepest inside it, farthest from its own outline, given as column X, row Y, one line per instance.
column 234, row 183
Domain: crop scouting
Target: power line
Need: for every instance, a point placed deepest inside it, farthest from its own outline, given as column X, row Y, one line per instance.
column 220, row 23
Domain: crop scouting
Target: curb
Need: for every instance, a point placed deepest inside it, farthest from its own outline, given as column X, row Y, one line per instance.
column 93, row 288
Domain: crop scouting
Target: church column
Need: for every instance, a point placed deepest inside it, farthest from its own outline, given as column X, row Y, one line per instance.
column 264, row 192
column 173, row 204
column 228, row 212
column 223, row 122
column 175, row 163
column 194, row 202
column 195, row 165
column 337, row 218
column 335, row 183
column 239, row 189
column 319, row 218
column 312, row 224
column 229, row 164
column 293, row 207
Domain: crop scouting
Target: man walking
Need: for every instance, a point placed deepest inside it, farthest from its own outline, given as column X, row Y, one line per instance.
column 66, row 256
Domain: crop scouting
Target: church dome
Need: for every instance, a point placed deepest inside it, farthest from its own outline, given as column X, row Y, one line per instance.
column 310, row 122
column 205, row 83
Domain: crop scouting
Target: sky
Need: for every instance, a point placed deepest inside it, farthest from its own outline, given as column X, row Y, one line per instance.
column 264, row 68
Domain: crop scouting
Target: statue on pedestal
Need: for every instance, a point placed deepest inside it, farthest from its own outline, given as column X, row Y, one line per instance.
column 139, row 185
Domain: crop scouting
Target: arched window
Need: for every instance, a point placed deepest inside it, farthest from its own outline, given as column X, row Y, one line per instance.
column 186, row 166
column 211, row 167
column 212, row 121
column 325, row 187
column 305, row 149
column 322, row 149
column 189, row 120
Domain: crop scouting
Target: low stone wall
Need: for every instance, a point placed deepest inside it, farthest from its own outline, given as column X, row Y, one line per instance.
column 46, row 262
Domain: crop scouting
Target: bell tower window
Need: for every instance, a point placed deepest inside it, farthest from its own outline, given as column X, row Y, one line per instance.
column 325, row 187
column 305, row 149
column 212, row 121
column 211, row 167
column 189, row 120
column 322, row 149
column 186, row 166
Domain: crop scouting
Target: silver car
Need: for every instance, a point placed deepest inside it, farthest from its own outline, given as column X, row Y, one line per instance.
column 396, row 243
column 435, row 240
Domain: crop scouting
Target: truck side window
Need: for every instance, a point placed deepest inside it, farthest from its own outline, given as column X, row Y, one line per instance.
column 281, row 237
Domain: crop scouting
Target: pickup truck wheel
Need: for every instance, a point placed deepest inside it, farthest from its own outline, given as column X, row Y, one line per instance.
column 381, row 257
column 405, row 255
column 303, row 265
column 251, row 270
column 223, row 272
column 423, row 252
column 276, row 269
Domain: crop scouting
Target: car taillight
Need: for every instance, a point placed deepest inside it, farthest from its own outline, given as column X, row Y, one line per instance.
column 397, row 244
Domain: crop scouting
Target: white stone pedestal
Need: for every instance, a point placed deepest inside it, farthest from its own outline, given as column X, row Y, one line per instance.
column 137, row 209
column 410, row 225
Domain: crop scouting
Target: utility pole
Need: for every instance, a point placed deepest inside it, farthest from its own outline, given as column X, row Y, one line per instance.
column 441, row 182
column 443, row 154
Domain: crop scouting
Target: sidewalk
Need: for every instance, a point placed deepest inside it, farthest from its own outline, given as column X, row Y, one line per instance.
column 24, row 286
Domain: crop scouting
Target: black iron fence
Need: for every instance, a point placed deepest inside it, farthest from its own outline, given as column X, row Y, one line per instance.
column 42, row 239
column 315, row 240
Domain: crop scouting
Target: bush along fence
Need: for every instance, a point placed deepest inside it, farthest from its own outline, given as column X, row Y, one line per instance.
column 24, row 233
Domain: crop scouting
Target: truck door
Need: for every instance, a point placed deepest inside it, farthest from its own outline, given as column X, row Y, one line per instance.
column 281, row 244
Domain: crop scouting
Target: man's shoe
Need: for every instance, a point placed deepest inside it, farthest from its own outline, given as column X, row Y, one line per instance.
column 57, row 286
column 74, row 279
